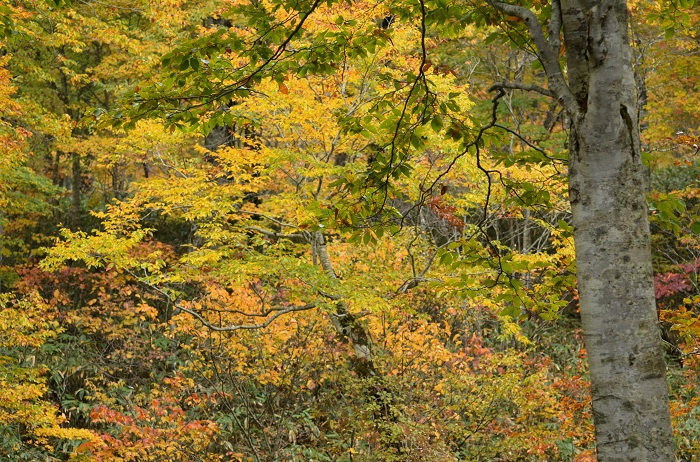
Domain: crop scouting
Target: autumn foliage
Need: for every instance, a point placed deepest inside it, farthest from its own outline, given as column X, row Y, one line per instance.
column 294, row 266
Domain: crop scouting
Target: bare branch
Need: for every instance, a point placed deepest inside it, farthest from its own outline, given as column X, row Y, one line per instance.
column 235, row 327
column 554, row 26
column 412, row 283
column 329, row 296
column 549, row 57
column 418, row 278
column 168, row 167
column 524, row 87
column 526, row 142
column 279, row 311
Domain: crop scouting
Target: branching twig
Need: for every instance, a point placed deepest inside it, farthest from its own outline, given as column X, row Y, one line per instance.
column 549, row 57
column 235, row 327
column 418, row 278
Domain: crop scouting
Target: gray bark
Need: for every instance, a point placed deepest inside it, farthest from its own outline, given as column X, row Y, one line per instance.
column 344, row 322
column 611, row 229
column 613, row 256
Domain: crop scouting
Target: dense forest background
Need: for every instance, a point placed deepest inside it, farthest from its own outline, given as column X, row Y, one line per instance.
column 195, row 272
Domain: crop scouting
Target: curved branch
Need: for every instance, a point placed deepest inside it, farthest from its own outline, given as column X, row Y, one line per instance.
column 546, row 53
column 527, row 143
column 267, row 217
column 241, row 84
column 235, row 327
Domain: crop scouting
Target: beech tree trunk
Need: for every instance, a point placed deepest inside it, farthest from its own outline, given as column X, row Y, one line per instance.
column 618, row 309
column 611, row 228
column 613, row 256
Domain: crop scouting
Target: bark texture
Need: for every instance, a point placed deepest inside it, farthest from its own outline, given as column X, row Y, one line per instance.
column 344, row 322
column 611, row 227
column 613, row 253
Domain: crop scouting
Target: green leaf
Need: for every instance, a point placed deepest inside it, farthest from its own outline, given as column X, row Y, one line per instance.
column 416, row 141
column 562, row 224
column 446, row 258
column 436, row 124
column 695, row 227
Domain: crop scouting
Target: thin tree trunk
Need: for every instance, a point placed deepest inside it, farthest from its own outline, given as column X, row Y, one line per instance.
column 55, row 174
column 344, row 322
column 76, row 207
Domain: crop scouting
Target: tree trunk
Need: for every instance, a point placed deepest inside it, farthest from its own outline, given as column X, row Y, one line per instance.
column 618, row 309
column 76, row 199
column 344, row 322
column 611, row 228
column 613, row 254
